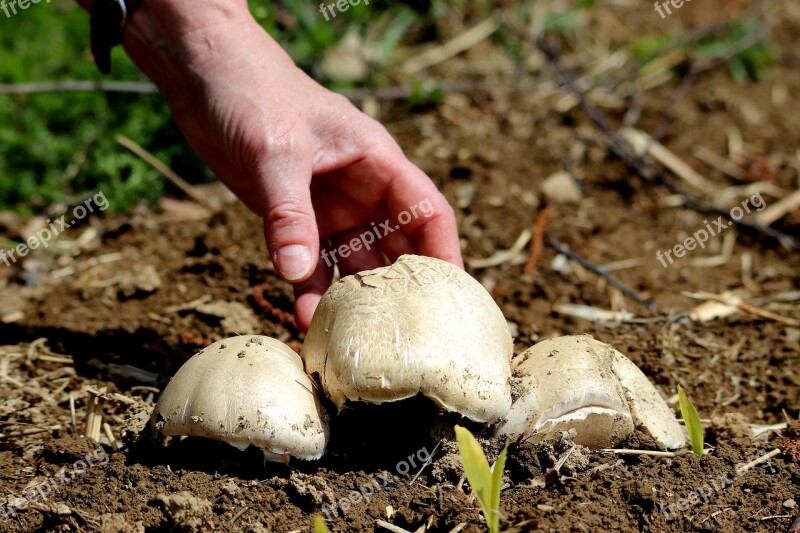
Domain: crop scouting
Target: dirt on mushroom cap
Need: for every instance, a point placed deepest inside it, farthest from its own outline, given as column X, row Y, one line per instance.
column 246, row 390
column 581, row 384
column 420, row 325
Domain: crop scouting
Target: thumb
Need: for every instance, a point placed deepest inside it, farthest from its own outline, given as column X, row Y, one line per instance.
column 290, row 226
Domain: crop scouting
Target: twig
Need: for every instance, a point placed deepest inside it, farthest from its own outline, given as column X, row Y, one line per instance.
column 537, row 239
column 78, row 86
column 72, row 414
column 652, row 453
column 779, row 209
column 625, row 152
column 452, row 48
column 503, row 256
column 644, row 145
column 237, row 516
column 600, row 271
column 168, row 173
column 754, row 463
column 391, row 527
column 747, row 308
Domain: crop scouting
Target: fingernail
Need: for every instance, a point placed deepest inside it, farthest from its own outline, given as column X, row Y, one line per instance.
column 293, row 261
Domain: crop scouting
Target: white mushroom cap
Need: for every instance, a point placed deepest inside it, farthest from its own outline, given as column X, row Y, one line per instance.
column 580, row 383
column 420, row 325
column 246, row 390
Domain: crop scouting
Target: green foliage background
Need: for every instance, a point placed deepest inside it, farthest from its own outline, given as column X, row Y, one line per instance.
column 42, row 134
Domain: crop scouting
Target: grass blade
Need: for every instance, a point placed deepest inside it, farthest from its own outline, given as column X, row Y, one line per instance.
column 476, row 468
column 319, row 525
column 497, row 484
column 692, row 421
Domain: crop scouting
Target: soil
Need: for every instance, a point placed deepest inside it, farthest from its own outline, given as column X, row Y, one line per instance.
column 127, row 299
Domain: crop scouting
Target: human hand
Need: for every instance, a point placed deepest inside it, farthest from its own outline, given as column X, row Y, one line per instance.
column 305, row 159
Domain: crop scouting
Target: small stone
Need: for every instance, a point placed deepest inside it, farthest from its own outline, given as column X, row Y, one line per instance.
column 545, row 508
column 790, row 504
column 561, row 188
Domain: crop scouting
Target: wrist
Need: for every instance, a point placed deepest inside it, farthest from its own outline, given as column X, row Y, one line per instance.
column 164, row 37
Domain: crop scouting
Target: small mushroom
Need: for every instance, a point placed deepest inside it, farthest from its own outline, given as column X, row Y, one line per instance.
column 580, row 383
column 420, row 325
column 246, row 390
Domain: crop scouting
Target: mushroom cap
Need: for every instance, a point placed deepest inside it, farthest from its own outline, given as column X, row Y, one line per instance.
column 420, row 325
column 579, row 383
column 246, row 390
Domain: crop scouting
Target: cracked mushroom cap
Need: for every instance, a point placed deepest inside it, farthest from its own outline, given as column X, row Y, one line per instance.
column 579, row 383
column 246, row 390
column 420, row 325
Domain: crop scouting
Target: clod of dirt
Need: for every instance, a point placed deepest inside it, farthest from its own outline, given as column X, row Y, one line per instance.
column 140, row 282
column 246, row 390
column 578, row 383
column 312, row 488
column 136, row 418
column 234, row 317
column 116, row 523
column 187, row 512
column 731, row 426
column 421, row 325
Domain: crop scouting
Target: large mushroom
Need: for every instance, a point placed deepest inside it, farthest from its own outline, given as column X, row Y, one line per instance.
column 246, row 390
column 581, row 384
column 420, row 325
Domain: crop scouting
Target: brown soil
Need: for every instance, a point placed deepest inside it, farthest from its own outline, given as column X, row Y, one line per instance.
column 490, row 153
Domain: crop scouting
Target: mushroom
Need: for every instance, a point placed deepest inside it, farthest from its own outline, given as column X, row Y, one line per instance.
column 579, row 383
column 246, row 390
column 420, row 325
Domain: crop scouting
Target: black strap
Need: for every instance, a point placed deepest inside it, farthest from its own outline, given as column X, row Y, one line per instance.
column 108, row 17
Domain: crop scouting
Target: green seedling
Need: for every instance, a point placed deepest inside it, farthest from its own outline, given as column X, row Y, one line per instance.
column 692, row 421
column 484, row 480
column 319, row 525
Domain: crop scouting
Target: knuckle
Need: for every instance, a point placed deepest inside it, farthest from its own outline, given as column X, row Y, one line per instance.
column 287, row 212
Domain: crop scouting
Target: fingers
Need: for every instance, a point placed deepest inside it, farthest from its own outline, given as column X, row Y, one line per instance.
column 308, row 294
column 290, row 227
column 412, row 199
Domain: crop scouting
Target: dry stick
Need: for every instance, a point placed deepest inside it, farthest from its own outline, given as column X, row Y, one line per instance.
column 652, row 453
column 780, row 208
column 624, row 151
column 178, row 181
column 537, row 241
column 78, row 86
column 752, row 464
column 602, row 272
column 452, row 48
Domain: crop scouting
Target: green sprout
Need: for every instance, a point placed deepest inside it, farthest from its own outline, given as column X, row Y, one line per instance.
column 692, row 421
column 319, row 525
column 485, row 480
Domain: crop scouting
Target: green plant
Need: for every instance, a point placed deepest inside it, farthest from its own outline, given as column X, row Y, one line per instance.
column 485, row 481
column 319, row 525
column 692, row 421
